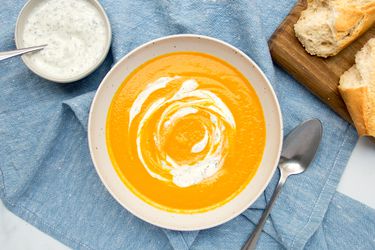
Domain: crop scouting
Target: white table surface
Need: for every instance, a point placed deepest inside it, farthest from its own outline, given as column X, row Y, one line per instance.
column 357, row 182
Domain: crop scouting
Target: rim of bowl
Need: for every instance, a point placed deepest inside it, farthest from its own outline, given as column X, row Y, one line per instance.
column 18, row 34
column 140, row 215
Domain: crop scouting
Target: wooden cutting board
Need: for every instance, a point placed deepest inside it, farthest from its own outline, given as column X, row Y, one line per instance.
column 320, row 76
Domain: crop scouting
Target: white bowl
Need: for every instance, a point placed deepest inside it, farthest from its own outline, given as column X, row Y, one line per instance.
column 97, row 135
column 21, row 20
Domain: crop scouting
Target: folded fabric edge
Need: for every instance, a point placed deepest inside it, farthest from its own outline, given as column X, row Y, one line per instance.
column 51, row 125
column 341, row 197
column 177, row 239
column 2, row 185
column 81, row 111
column 318, row 212
column 348, row 224
column 38, row 222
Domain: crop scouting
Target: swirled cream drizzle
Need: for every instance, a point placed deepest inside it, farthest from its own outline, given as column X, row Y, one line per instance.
column 162, row 113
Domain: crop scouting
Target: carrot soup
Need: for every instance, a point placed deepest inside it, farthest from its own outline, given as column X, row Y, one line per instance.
column 186, row 132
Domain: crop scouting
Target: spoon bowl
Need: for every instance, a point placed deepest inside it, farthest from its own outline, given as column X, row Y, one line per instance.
column 302, row 142
column 291, row 167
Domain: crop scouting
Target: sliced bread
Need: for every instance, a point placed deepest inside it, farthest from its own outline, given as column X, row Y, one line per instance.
column 328, row 26
column 357, row 87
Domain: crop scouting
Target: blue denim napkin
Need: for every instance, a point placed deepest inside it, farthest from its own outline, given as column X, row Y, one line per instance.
column 47, row 177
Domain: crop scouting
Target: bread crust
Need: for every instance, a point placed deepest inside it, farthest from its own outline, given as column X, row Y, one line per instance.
column 357, row 105
column 350, row 19
column 352, row 22
column 357, row 88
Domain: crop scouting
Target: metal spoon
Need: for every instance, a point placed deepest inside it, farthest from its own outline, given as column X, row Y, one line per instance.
column 298, row 151
column 7, row 54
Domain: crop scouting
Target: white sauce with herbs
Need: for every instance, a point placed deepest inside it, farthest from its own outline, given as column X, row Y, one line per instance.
column 75, row 33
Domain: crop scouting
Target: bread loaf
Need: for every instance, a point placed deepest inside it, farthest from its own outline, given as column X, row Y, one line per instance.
column 328, row 26
column 357, row 87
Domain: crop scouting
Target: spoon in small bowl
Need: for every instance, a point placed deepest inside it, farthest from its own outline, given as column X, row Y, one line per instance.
column 7, row 54
column 299, row 150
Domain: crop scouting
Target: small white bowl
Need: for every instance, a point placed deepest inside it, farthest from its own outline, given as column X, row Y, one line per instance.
column 21, row 20
column 97, row 135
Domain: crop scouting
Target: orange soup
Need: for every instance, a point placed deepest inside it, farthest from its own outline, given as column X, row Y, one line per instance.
column 186, row 132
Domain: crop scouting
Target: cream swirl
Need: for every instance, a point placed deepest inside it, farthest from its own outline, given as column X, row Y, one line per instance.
column 156, row 112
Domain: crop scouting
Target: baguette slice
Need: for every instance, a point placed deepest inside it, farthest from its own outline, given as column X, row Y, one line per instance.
column 357, row 87
column 328, row 26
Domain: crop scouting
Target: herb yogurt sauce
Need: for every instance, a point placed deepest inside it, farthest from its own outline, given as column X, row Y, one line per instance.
column 74, row 31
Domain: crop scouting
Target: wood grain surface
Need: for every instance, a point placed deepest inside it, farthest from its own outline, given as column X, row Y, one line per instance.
column 320, row 76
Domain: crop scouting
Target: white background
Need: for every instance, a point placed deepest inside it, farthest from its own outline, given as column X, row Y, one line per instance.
column 357, row 182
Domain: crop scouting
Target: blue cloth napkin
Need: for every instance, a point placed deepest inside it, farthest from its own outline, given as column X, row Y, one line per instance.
column 47, row 177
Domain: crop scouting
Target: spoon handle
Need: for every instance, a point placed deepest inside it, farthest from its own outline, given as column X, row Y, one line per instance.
column 252, row 241
column 7, row 54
